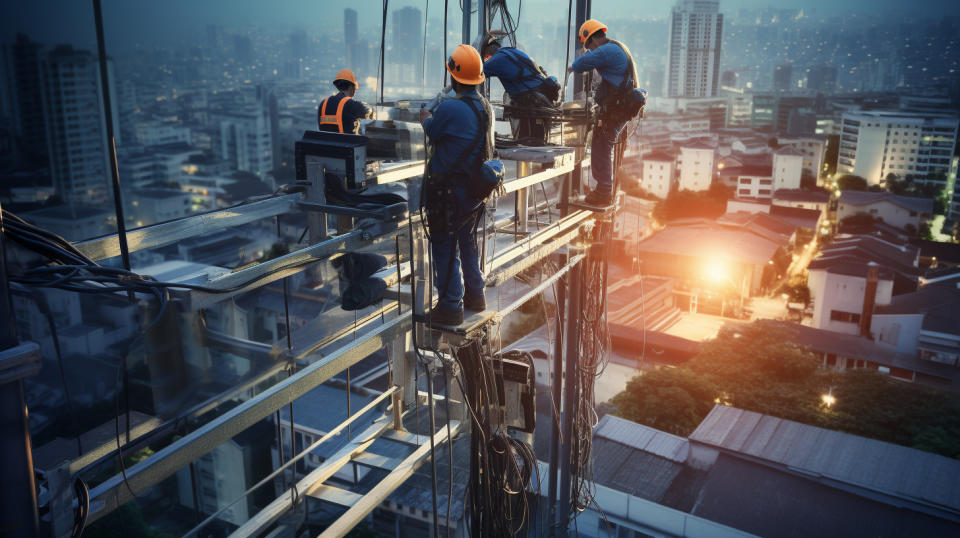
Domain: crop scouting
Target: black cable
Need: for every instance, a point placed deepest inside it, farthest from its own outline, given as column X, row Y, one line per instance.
column 383, row 41
column 83, row 508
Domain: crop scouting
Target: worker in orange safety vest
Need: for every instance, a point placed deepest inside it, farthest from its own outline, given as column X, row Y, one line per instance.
column 341, row 113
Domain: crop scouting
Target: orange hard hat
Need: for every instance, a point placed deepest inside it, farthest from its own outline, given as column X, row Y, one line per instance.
column 347, row 75
column 465, row 65
column 590, row 27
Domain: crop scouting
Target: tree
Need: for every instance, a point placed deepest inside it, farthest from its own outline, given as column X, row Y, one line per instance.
column 849, row 182
column 757, row 368
column 686, row 204
column 798, row 290
column 674, row 400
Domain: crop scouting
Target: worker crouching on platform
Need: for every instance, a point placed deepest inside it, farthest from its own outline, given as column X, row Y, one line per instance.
column 460, row 143
column 615, row 97
column 341, row 113
column 528, row 87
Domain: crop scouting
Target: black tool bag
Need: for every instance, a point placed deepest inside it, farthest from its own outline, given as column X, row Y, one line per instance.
column 549, row 86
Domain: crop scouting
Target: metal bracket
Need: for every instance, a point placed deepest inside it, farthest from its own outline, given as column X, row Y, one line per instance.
column 19, row 362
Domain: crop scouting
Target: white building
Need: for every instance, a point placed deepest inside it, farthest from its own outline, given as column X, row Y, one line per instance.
column 874, row 144
column 696, row 165
column 245, row 142
column 813, row 150
column 787, row 169
column 150, row 206
column 838, row 289
column 803, row 200
column 899, row 211
column 156, row 133
column 693, row 49
column 659, row 174
column 755, row 182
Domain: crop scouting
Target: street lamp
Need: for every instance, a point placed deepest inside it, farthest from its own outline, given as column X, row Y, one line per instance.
column 828, row 400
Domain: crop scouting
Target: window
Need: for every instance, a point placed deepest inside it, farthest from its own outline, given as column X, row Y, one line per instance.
column 846, row 317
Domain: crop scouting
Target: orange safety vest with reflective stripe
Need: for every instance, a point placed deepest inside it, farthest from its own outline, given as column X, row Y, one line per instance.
column 327, row 119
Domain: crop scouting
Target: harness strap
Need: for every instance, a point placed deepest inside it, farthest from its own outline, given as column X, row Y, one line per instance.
column 327, row 119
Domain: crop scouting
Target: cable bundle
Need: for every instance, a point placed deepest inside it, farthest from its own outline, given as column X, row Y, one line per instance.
column 594, row 357
column 500, row 465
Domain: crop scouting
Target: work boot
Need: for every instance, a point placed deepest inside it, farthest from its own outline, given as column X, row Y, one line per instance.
column 598, row 198
column 474, row 302
column 442, row 316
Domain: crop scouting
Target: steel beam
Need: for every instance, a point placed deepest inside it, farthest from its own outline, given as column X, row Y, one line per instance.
column 113, row 492
column 345, row 523
column 167, row 233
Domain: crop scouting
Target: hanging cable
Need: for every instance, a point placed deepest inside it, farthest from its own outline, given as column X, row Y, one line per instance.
column 383, row 49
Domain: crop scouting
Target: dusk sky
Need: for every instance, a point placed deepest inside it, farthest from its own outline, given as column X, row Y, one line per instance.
column 130, row 21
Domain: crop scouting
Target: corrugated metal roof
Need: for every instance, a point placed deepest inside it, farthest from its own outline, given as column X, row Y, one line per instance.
column 876, row 465
column 643, row 438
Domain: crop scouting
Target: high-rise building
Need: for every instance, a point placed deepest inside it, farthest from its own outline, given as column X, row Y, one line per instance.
column 782, row 77
column 25, row 92
column 246, row 136
column 75, row 127
column 693, row 49
column 874, row 144
column 243, row 49
column 407, row 50
column 349, row 26
column 822, row 78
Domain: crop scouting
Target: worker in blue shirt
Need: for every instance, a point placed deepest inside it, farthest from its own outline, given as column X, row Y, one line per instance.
column 526, row 84
column 341, row 113
column 460, row 138
column 613, row 61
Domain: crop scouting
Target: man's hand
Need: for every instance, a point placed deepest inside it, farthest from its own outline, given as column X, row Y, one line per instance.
column 424, row 114
column 569, row 70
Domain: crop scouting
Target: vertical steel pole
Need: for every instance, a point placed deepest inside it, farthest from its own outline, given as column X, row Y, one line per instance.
column 570, row 395
column 467, row 6
column 583, row 13
column 557, row 402
column 18, row 495
column 111, row 138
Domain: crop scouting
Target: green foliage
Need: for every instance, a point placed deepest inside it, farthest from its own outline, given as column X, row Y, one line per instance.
column 921, row 187
column 798, row 290
column 849, row 182
column 860, row 219
column 685, row 204
column 760, row 369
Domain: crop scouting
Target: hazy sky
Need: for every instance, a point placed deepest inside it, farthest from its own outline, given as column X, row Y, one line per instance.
column 129, row 21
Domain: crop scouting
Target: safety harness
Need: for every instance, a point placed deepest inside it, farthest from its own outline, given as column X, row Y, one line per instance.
column 327, row 119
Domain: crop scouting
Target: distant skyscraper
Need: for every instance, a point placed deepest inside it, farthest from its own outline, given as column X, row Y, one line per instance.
column 782, row 78
column 407, row 50
column 349, row 26
column 822, row 78
column 693, row 49
column 243, row 49
column 299, row 45
column 25, row 93
column 75, row 126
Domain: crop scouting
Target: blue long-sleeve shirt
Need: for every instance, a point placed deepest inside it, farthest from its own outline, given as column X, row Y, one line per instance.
column 513, row 67
column 610, row 61
column 451, row 129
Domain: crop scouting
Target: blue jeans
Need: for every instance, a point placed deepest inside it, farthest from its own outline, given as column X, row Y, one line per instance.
column 456, row 262
column 601, row 151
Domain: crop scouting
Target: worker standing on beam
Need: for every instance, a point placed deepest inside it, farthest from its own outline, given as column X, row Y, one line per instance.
column 341, row 113
column 460, row 138
column 527, row 86
column 613, row 61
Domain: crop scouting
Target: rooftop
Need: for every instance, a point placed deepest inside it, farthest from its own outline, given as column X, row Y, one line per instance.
column 858, row 198
column 799, row 195
column 705, row 238
column 827, row 455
